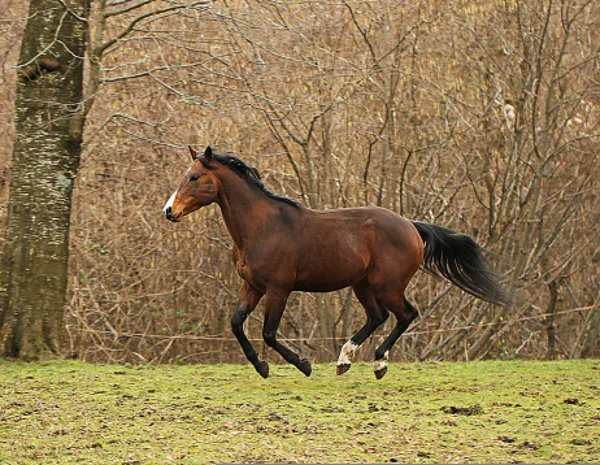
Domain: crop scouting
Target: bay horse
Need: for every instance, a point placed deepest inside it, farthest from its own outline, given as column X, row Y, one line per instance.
column 281, row 246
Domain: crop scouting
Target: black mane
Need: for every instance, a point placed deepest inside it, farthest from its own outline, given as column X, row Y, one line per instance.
column 248, row 174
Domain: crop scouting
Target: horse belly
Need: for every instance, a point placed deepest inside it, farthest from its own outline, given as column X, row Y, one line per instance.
column 330, row 267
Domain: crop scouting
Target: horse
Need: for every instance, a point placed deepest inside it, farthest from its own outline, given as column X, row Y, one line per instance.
column 281, row 246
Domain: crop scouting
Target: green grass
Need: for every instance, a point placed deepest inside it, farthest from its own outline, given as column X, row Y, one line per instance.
column 71, row 412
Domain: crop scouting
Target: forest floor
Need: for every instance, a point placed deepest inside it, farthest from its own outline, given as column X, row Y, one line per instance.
column 73, row 412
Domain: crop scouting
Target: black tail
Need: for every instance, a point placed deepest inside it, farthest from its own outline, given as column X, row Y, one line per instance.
column 459, row 258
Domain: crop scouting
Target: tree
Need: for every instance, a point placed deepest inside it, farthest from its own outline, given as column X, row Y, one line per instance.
column 52, row 104
column 46, row 153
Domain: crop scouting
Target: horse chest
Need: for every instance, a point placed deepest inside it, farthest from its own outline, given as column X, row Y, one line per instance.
column 243, row 268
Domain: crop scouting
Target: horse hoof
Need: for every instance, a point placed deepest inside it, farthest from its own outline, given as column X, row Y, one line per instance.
column 263, row 369
column 380, row 373
column 305, row 367
column 343, row 368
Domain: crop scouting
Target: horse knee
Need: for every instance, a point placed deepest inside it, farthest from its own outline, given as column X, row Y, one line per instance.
column 269, row 338
column 237, row 322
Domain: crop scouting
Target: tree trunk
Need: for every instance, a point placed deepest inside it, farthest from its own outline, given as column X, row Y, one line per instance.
column 48, row 131
column 591, row 348
column 550, row 328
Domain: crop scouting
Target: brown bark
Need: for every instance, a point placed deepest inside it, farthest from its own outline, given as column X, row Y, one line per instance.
column 592, row 344
column 48, row 128
column 550, row 327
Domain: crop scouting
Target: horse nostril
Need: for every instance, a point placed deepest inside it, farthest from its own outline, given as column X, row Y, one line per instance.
column 168, row 213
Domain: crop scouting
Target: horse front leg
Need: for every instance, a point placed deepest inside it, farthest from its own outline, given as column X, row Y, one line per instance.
column 275, row 305
column 248, row 301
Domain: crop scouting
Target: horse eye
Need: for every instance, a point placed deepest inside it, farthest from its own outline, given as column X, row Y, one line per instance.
column 194, row 177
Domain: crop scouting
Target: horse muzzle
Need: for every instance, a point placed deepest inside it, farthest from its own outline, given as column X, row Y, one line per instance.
column 168, row 211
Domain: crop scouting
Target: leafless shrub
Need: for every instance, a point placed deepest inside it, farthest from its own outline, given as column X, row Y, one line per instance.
column 479, row 117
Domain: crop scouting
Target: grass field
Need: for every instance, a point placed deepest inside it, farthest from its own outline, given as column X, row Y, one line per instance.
column 71, row 412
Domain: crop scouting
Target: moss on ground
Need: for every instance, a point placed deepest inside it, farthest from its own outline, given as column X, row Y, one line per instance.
column 72, row 412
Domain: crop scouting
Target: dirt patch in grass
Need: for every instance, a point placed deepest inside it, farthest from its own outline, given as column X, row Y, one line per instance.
column 71, row 412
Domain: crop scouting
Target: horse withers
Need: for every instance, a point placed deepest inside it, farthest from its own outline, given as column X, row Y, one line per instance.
column 281, row 246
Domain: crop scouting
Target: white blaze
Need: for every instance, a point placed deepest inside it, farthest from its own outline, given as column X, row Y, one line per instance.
column 170, row 202
column 347, row 353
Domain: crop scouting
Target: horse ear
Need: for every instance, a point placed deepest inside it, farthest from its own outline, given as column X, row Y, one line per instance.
column 193, row 153
column 208, row 154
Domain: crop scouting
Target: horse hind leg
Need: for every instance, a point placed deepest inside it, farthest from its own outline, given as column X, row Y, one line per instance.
column 405, row 313
column 376, row 316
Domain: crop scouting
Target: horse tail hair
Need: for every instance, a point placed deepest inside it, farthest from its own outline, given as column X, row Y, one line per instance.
column 458, row 258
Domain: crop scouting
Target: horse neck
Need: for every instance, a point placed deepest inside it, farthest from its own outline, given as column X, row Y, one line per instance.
column 245, row 209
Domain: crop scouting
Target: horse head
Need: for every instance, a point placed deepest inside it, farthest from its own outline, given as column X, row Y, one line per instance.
column 198, row 188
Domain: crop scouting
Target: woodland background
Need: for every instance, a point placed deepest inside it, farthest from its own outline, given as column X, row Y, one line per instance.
column 479, row 116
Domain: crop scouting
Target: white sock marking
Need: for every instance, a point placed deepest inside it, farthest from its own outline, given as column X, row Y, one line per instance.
column 381, row 364
column 347, row 353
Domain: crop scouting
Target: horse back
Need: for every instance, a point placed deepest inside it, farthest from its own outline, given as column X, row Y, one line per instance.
column 337, row 248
